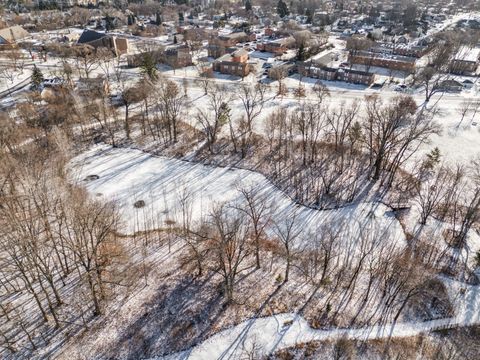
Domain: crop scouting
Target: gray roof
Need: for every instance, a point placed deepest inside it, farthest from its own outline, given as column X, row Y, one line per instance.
column 89, row 36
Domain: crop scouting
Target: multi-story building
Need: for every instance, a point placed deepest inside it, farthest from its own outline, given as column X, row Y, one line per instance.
column 233, row 64
column 178, row 56
column 234, row 38
column 278, row 46
column 389, row 61
column 322, row 72
column 355, row 76
column 466, row 61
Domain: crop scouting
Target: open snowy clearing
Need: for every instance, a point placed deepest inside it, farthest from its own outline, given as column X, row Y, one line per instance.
column 277, row 332
column 128, row 175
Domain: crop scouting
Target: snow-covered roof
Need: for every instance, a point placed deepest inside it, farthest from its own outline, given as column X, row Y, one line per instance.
column 13, row 33
column 468, row 54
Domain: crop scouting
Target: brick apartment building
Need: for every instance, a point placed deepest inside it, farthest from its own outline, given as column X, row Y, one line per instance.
column 466, row 61
column 235, row 63
column 408, row 50
column 278, row 46
column 178, row 56
column 322, row 72
column 389, row 61
column 235, row 38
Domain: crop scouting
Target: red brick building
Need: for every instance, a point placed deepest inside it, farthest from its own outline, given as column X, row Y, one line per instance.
column 233, row 64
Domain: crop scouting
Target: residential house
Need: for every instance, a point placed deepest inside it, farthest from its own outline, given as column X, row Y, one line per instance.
column 97, row 39
column 11, row 35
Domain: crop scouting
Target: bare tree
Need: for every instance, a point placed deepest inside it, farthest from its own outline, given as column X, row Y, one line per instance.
column 215, row 116
column 288, row 233
column 253, row 100
column 86, row 59
column 171, row 103
column 228, row 239
column 393, row 132
column 257, row 209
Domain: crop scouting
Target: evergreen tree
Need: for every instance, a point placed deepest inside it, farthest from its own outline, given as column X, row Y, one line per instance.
column 433, row 158
column 282, row 9
column 248, row 5
column 175, row 41
column 477, row 258
column 223, row 114
column 309, row 15
column 302, row 52
column 109, row 25
column 158, row 19
column 37, row 77
column 149, row 66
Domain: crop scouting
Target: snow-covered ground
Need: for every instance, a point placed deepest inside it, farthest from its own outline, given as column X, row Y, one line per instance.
column 129, row 175
column 277, row 332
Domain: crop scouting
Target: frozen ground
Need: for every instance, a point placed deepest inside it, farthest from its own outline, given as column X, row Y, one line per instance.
column 129, row 175
column 281, row 331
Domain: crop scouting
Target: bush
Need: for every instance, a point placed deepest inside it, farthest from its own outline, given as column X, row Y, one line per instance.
column 139, row 204
column 279, row 278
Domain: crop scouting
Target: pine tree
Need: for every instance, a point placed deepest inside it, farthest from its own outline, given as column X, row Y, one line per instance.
column 477, row 258
column 302, row 52
column 248, row 5
column 175, row 41
column 109, row 24
column 431, row 161
column 224, row 114
column 433, row 157
column 149, row 66
column 37, row 77
column 158, row 19
column 282, row 9
column 309, row 15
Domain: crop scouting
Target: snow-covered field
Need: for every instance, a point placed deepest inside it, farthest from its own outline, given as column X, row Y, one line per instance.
column 129, row 175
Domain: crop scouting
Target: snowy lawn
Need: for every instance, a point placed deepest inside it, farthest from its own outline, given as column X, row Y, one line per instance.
column 128, row 175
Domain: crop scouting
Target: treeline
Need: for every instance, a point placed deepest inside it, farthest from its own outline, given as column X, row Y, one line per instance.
column 57, row 246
